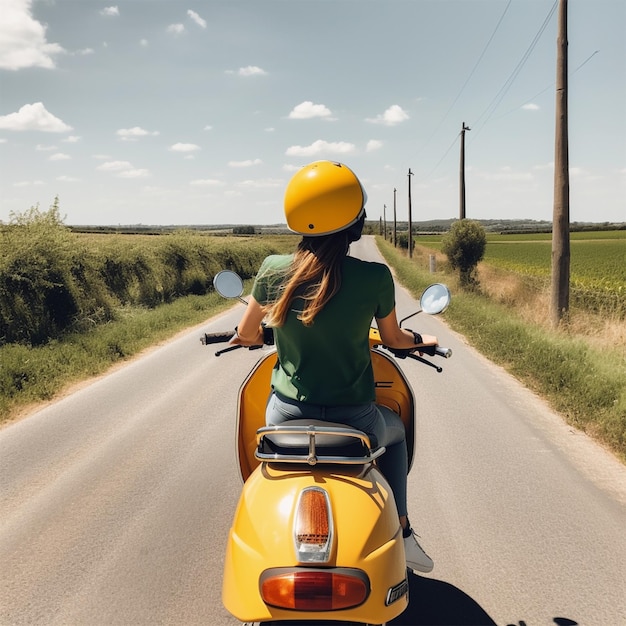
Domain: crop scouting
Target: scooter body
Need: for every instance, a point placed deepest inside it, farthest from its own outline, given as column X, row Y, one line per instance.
column 316, row 534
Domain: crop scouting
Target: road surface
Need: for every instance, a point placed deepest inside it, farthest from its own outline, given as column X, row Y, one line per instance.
column 115, row 501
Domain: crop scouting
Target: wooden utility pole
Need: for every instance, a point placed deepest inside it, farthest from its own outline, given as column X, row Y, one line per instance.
column 462, row 173
column 410, row 242
column 559, row 301
column 395, row 232
column 385, row 221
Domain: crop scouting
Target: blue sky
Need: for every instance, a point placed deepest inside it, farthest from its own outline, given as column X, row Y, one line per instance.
column 189, row 112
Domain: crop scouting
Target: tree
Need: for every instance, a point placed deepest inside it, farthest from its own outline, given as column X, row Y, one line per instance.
column 243, row 230
column 464, row 245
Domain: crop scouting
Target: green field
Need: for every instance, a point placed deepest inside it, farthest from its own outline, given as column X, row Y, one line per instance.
column 597, row 264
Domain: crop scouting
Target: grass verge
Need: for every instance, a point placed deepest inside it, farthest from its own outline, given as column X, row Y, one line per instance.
column 586, row 384
column 30, row 375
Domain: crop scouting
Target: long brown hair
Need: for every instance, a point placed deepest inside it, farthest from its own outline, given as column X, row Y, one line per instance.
column 314, row 276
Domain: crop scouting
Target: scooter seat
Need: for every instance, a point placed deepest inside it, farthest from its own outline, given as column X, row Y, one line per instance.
column 348, row 443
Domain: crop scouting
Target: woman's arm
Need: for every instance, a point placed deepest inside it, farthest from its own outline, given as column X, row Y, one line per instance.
column 249, row 332
column 395, row 337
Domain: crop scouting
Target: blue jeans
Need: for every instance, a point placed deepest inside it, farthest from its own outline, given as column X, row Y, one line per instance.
column 382, row 425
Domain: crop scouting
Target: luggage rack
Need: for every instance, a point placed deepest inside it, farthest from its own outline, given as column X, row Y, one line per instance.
column 313, row 442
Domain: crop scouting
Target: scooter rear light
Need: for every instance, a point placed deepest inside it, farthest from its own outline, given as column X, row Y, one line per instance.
column 313, row 526
column 315, row 590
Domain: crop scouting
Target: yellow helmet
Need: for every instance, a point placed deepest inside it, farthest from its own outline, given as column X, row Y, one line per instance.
column 322, row 198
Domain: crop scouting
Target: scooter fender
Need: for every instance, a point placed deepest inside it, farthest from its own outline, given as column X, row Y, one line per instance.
column 366, row 536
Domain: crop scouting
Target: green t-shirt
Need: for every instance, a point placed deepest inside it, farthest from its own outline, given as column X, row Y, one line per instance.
column 329, row 362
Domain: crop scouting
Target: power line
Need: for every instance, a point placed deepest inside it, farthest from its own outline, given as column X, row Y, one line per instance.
column 480, row 58
column 548, row 87
column 511, row 79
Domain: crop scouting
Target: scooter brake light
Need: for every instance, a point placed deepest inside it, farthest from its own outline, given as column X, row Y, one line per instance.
column 314, row 590
column 313, row 526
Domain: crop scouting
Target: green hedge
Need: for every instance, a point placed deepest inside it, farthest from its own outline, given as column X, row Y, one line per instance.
column 53, row 281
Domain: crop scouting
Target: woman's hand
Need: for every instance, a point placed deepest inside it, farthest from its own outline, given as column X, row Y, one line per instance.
column 249, row 331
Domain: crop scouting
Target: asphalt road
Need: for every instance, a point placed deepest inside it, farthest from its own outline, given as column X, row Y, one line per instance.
column 116, row 500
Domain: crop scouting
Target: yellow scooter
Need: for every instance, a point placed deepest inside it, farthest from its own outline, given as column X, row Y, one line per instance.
column 316, row 537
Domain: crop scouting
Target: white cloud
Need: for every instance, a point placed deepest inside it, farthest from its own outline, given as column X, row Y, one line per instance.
column 505, row 173
column 142, row 173
column 23, row 39
column 43, row 148
column 176, row 29
column 71, row 139
column 28, row 183
column 68, row 179
column 307, row 110
column 184, row 147
column 196, row 18
column 530, row 107
column 544, row 166
column 207, row 127
column 110, row 11
column 33, row 117
column 59, row 156
column 114, row 166
column 247, row 163
column 207, row 182
column 373, row 145
column 394, row 115
column 263, row 183
column 321, row 147
column 131, row 134
column 251, row 70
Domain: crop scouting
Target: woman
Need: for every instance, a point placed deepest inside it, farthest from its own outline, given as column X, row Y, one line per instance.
column 320, row 303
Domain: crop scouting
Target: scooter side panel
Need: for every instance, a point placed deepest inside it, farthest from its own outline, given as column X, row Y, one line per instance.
column 253, row 396
column 394, row 391
column 370, row 539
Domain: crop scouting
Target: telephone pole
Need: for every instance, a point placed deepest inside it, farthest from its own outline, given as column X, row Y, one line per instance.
column 395, row 232
column 410, row 242
column 559, row 301
column 462, row 172
column 385, row 222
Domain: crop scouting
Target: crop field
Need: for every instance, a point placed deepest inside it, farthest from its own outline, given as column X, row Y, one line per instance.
column 597, row 264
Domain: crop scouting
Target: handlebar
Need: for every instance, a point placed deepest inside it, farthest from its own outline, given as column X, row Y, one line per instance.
column 223, row 337
column 445, row 353
column 217, row 337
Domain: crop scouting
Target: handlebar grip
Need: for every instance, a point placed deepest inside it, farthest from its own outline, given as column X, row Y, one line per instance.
column 446, row 353
column 217, row 337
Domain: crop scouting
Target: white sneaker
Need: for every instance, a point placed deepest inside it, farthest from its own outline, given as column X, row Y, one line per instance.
column 416, row 558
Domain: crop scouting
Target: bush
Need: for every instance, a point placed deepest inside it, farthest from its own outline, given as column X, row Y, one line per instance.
column 464, row 245
column 45, row 285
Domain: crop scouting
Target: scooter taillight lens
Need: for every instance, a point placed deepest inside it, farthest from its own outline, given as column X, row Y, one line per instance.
column 315, row 590
column 313, row 526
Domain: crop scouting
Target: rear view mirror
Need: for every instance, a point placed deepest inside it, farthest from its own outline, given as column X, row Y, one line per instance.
column 228, row 284
column 435, row 299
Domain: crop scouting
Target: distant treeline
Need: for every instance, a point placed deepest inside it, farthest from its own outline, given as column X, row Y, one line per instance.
column 53, row 280
column 371, row 227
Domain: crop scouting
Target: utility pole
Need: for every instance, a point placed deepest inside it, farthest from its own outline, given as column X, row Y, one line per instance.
column 559, row 301
column 395, row 232
column 410, row 242
column 462, row 172
column 385, row 221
